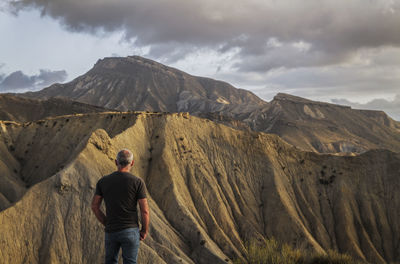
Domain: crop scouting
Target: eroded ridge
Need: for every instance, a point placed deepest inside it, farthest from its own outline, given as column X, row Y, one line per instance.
column 211, row 188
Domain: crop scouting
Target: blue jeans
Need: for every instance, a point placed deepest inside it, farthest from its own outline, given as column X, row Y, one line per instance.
column 127, row 239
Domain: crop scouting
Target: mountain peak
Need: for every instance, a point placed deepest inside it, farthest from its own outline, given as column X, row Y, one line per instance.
column 289, row 97
column 131, row 59
column 137, row 83
column 301, row 100
column 129, row 63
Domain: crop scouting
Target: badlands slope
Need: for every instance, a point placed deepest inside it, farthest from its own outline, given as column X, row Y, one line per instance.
column 326, row 128
column 211, row 188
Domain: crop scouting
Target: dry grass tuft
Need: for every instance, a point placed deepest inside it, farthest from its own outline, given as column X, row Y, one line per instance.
column 273, row 252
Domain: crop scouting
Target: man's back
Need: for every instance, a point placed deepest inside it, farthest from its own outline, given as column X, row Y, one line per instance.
column 121, row 191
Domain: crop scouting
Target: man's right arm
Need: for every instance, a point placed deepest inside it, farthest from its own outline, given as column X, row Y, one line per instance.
column 144, row 211
column 96, row 203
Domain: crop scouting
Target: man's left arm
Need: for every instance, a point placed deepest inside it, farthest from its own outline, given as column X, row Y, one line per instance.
column 96, row 203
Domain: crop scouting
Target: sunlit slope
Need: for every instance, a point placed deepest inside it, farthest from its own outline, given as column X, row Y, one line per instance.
column 15, row 108
column 32, row 152
column 210, row 189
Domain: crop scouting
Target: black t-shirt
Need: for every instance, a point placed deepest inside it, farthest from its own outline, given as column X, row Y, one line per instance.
column 120, row 191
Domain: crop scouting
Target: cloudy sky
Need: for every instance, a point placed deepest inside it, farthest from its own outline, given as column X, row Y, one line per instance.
column 341, row 51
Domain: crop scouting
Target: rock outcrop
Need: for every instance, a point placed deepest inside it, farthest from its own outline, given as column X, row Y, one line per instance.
column 211, row 188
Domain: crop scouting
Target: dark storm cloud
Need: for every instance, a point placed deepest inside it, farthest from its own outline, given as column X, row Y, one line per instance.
column 267, row 34
column 391, row 107
column 1, row 74
column 47, row 77
column 18, row 81
column 363, row 79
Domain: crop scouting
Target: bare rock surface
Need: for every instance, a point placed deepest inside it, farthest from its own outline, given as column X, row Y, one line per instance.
column 211, row 188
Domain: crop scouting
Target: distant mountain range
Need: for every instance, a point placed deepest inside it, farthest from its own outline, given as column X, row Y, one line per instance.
column 327, row 128
column 139, row 84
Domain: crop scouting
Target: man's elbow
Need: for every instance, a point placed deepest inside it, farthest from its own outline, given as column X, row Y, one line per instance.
column 144, row 207
column 96, row 202
column 95, row 208
column 145, row 212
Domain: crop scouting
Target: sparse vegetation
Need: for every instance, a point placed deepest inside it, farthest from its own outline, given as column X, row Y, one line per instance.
column 273, row 252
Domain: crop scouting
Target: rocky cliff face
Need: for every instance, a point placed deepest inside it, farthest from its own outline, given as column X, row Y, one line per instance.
column 210, row 189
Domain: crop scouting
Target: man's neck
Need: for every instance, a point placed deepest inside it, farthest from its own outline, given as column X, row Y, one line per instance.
column 125, row 169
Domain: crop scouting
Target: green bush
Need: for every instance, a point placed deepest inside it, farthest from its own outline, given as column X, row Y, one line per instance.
column 273, row 252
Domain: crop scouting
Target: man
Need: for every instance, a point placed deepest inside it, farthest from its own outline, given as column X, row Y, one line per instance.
column 121, row 192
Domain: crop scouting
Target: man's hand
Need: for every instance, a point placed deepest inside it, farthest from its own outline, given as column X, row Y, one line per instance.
column 144, row 211
column 143, row 234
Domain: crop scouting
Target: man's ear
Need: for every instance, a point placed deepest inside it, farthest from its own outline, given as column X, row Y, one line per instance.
column 132, row 163
column 116, row 162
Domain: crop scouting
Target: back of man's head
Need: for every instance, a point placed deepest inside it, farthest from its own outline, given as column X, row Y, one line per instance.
column 124, row 157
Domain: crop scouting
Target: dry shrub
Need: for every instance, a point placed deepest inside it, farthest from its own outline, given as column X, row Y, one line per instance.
column 332, row 257
column 273, row 252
